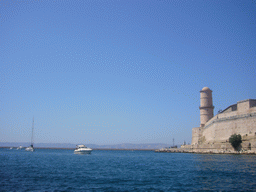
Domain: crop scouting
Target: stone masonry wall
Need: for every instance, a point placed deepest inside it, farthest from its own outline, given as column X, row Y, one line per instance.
column 222, row 128
column 196, row 134
column 223, row 125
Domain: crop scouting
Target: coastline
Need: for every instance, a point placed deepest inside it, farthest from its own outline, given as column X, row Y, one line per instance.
column 97, row 149
column 180, row 150
column 171, row 150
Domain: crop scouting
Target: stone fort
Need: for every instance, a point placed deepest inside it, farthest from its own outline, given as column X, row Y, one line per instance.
column 214, row 131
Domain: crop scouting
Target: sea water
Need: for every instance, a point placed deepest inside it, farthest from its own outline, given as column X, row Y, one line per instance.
column 62, row 170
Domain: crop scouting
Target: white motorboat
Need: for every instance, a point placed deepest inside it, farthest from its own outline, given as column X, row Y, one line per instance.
column 31, row 147
column 83, row 149
column 20, row 147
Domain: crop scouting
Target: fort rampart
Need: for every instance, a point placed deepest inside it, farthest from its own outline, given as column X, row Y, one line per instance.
column 213, row 135
column 214, row 132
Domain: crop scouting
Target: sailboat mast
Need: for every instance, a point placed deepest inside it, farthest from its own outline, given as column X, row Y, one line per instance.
column 32, row 132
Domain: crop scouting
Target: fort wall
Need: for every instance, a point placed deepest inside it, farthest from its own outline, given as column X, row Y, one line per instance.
column 196, row 135
column 222, row 126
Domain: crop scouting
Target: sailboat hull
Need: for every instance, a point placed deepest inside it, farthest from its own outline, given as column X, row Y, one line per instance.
column 29, row 149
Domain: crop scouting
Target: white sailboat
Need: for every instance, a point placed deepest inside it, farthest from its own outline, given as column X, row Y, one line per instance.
column 31, row 147
column 18, row 148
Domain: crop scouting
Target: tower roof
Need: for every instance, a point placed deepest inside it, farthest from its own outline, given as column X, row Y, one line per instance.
column 206, row 89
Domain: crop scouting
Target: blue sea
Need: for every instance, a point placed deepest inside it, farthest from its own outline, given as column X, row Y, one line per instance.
column 62, row 170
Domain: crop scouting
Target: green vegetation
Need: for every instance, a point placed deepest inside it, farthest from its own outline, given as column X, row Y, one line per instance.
column 235, row 140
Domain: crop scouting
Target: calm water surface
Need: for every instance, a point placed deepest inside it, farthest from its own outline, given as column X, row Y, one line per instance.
column 62, row 170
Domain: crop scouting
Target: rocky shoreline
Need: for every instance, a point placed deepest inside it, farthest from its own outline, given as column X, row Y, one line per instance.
column 180, row 150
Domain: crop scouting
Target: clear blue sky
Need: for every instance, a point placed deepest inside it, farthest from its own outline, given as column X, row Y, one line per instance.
column 110, row 72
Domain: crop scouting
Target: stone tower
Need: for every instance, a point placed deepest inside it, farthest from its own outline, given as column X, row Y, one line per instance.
column 206, row 107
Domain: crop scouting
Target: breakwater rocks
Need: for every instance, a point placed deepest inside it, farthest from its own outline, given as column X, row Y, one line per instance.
column 180, row 150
